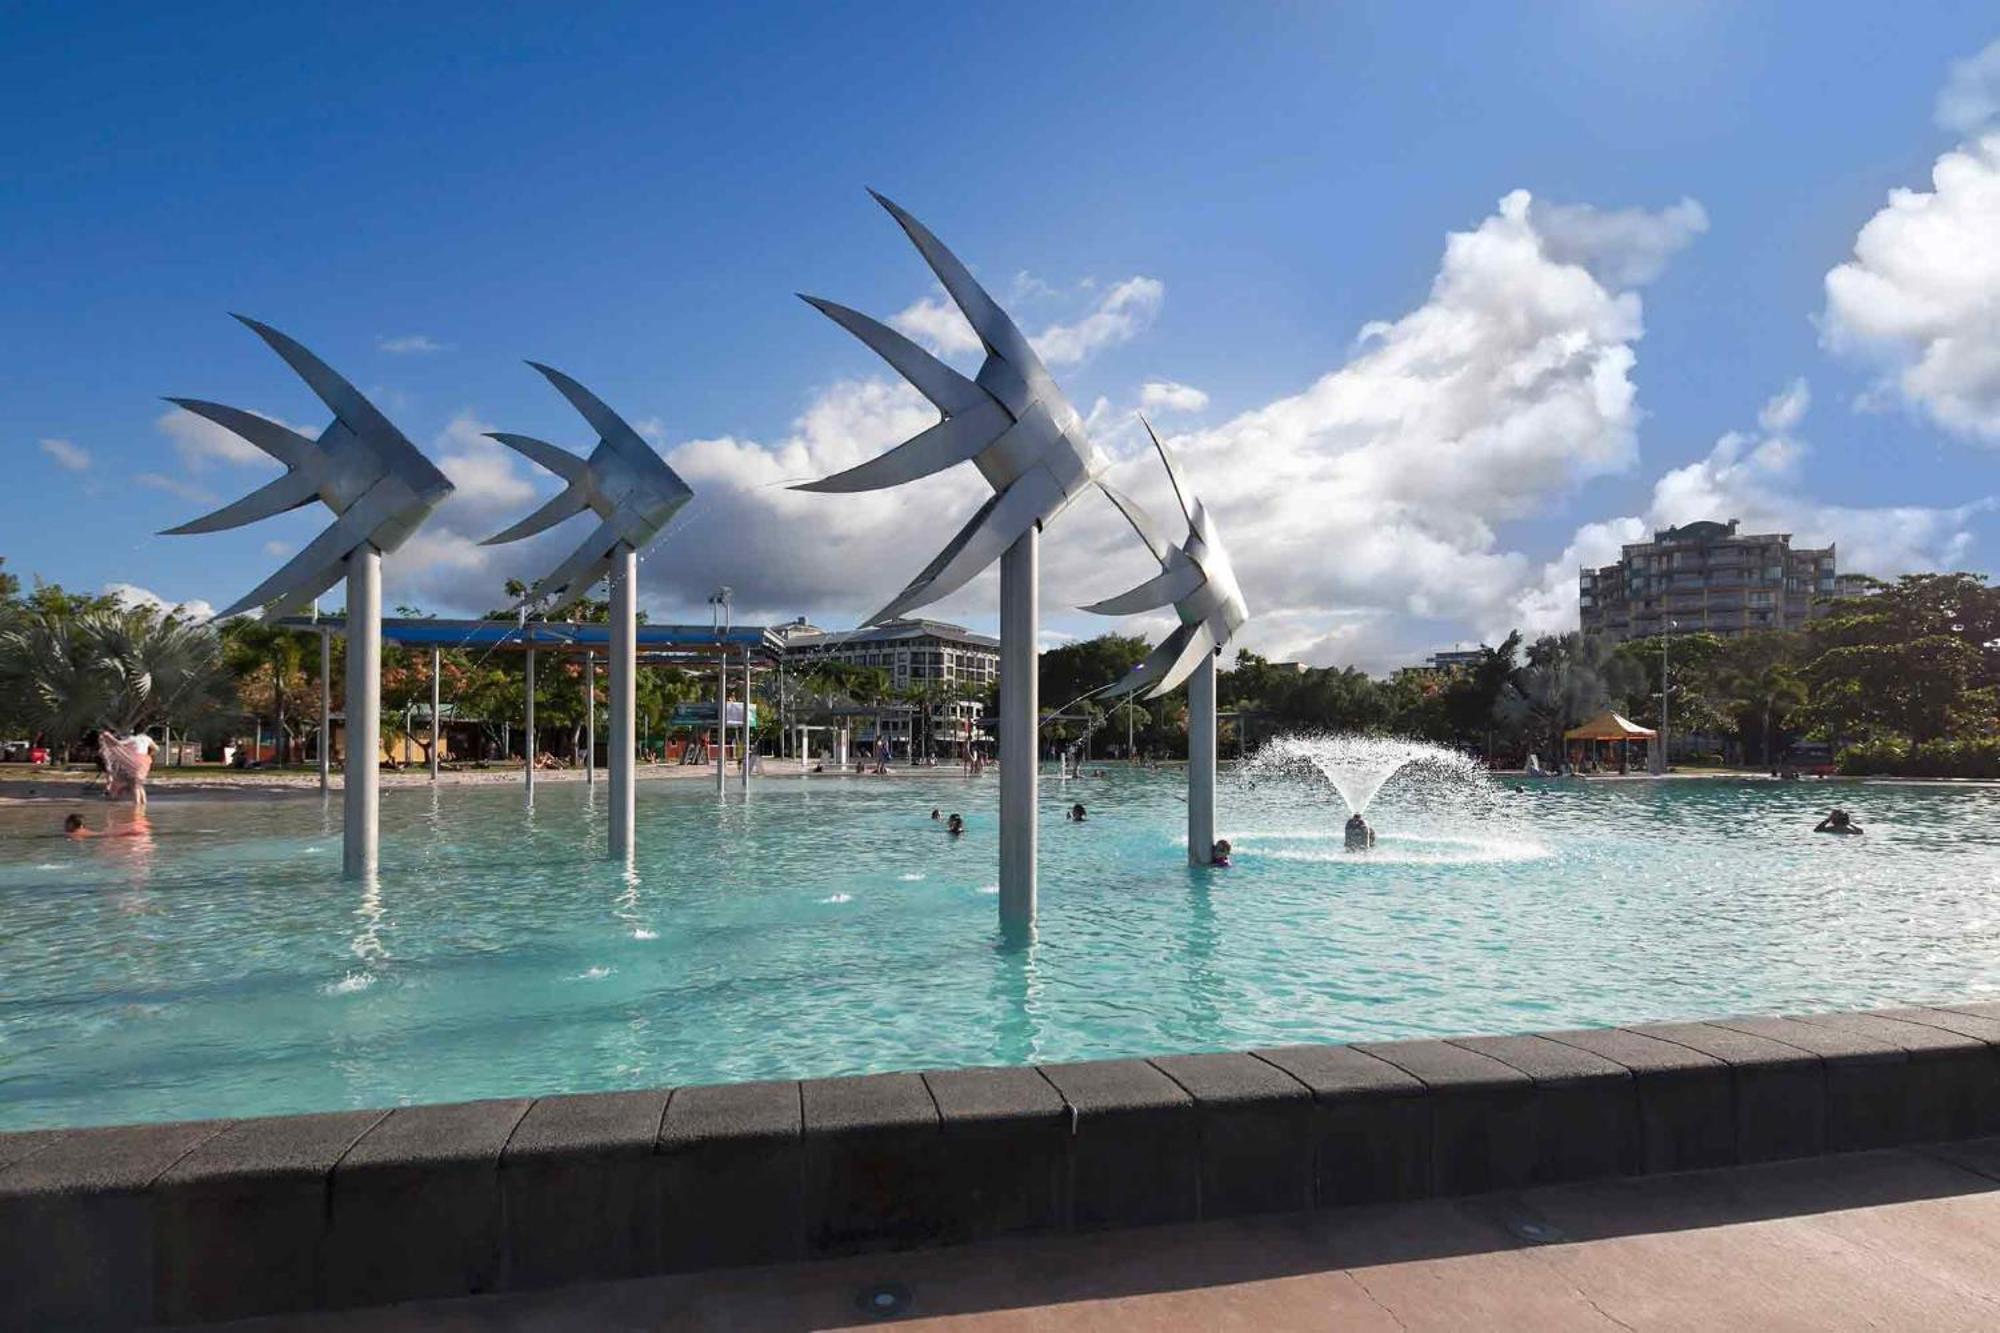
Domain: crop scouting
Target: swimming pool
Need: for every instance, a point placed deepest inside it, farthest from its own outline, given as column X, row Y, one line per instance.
column 827, row 926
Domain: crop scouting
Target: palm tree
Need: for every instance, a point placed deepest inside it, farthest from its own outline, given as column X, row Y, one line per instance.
column 1768, row 691
column 124, row 668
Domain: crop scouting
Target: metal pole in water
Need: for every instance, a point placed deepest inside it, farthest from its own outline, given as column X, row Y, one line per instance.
column 437, row 729
column 1020, row 707
column 590, row 716
column 721, row 717
column 743, row 780
column 1201, row 763
column 624, row 696
column 325, row 710
column 362, row 780
column 529, row 723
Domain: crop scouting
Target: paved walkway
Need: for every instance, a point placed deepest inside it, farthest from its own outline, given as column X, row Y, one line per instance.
column 1891, row 1240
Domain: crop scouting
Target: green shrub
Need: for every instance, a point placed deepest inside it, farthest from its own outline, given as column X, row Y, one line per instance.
column 1975, row 757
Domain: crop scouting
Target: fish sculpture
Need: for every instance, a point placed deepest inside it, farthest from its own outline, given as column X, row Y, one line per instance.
column 624, row 482
column 1195, row 578
column 1010, row 421
column 378, row 485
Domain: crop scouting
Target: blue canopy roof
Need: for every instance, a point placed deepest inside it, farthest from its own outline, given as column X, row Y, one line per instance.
column 656, row 641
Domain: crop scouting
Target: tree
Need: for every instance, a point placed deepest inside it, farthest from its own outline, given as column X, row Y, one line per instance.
column 69, row 670
column 1567, row 679
column 269, row 664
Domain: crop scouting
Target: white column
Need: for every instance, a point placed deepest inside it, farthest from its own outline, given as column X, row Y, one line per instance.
column 743, row 779
column 361, row 781
column 590, row 716
column 624, row 696
column 437, row 727
column 529, row 723
column 325, row 710
column 721, row 716
column 1201, row 763
column 1020, row 710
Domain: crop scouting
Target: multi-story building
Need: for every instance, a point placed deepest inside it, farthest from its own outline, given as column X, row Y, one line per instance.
column 1706, row 576
column 916, row 654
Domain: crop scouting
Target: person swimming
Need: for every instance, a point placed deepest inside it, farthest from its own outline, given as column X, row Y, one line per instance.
column 1076, row 813
column 73, row 828
column 1360, row 837
column 1219, row 854
column 955, row 825
column 1837, row 821
column 934, row 813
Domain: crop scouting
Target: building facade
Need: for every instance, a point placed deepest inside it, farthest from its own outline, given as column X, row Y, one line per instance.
column 1707, row 576
column 917, row 655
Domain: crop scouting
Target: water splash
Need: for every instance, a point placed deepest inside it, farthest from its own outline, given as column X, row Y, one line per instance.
column 1358, row 767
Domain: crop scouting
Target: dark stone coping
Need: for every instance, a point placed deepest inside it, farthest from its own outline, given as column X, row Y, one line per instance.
column 221, row 1219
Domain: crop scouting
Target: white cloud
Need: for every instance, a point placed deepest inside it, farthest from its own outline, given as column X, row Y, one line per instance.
column 278, row 548
column 74, row 457
column 936, row 323
column 1970, row 98
column 1171, row 396
column 1374, row 496
column 411, row 344
column 1625, row 247
column 1921, row 297
column 1121, row 314
column 176, row 486
column 132, row 595
column 1760, row 479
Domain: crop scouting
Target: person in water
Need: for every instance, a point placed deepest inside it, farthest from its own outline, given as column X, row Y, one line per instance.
column 1076, row 813
column 955, row 825
column 73, row 828
column 934, row 813
column 1359, row 836
column 1837, row 821
column 1219, row 854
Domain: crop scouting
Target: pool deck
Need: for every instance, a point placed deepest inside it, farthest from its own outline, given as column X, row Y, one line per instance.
column 1897, row 1239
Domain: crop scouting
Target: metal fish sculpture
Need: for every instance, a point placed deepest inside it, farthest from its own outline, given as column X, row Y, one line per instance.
column 624, row 481
column 1011, row 422
column 1195, row 578
column 378, row 485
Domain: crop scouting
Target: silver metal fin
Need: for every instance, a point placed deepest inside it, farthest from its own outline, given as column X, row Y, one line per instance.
column 1153, row 667
column 1141, row 521
column 562, row 581
column 281, row 442
column 949, row 390
column 362, row 417
column 952, row 441
column 567, row 503
column 996, row 527
column 274, row 497
column 557, row 460
column 332, row 546
column 301, row 599
column 1182, row 491
column 995, row 329
column 1163, row 589
column 1200, row 641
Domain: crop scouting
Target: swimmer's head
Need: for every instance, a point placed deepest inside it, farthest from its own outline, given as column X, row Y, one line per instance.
column 72, row 824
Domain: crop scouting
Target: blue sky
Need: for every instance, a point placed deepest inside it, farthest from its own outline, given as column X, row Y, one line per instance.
column 1221, row 198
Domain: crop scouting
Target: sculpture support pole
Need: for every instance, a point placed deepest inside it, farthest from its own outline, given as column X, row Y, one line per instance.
column 721, row 717
column 624, row 692
column 437, row 729
column 590, row 716
column 325, row 710
column 1201, row 763
column 529, row 723
column 743, row 779
column 1020, row 711
column 362, row 777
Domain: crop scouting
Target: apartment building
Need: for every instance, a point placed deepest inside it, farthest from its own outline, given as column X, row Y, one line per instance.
column 1707, row 576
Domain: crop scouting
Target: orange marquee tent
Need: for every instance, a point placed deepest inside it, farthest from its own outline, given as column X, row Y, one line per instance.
column 1610, row 726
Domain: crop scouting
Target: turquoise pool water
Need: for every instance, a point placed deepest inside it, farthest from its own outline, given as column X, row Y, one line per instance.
column 222, row 967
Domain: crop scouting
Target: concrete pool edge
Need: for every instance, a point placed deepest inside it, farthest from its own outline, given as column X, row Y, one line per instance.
column 192, row 1221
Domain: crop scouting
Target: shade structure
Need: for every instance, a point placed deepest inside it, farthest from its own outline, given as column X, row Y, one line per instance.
column 1610, row 726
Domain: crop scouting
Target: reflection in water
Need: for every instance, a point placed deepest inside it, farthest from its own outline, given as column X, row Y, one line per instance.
column 1016, row 995
column 367, row 944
